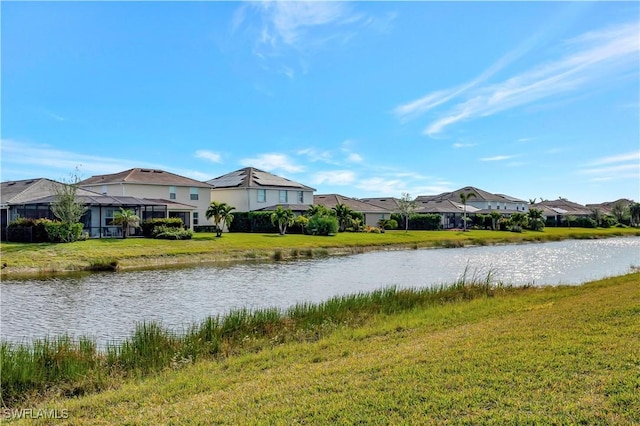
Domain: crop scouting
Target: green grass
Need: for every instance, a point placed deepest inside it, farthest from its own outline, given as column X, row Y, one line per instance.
column 557, row 355
column 114, row 254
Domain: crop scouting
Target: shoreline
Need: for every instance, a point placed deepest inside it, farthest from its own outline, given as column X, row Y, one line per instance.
column 293, row 252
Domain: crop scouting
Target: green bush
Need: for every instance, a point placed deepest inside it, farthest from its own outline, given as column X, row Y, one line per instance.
column 390, row 224
column 59, row 232
column 25, row 230
column 322, row 225
column 425, row 221
column 171, row 233
column 149, row 225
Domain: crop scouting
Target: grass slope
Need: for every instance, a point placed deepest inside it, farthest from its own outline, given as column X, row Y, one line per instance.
column 18, row 258
column 563, row 355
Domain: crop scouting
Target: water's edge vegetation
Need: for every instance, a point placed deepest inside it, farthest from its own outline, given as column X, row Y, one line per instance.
column 24, row 260
column 602, row 329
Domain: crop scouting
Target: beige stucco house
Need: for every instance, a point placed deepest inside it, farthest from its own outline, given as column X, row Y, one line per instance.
column 251, row 189
column 185, row 198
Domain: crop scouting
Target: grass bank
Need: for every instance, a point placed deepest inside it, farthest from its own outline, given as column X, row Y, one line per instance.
column 557, row 355
column 118, row 254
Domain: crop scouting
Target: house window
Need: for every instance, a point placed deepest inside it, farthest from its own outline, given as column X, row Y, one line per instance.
column 193, row 193
column 104, row 189
column 172, row 192
column 300, row 197
column 108, row 216
column 195, row 218
column 283, row 196
column 262, row 195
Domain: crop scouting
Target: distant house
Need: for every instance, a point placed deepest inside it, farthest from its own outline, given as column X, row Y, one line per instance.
column 372, row 213
column 251, row 189
column 32, row 199
column 484, row 201
column 185, row 198
column 390, row 204
column 607, row 207
column 561, row 208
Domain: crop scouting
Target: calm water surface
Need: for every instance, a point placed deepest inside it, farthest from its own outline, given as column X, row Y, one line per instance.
column 108, row 305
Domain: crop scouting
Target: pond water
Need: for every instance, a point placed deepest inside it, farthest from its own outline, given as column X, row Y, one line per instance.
column 107, row 306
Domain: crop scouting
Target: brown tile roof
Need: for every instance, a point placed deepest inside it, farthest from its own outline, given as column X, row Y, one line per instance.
column 144, row 176
column 331, row 200
column 388, row 203
column 250, row 177
column 563, row 207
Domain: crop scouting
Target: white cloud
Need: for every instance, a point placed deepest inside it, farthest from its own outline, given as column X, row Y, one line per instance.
column 354, row 158
column 459, row 145
column 334, row 177
column 591, row 57
column 270, row 162
column 497, row 158
column 631, row 156
column 314, row 155
column 214, row 157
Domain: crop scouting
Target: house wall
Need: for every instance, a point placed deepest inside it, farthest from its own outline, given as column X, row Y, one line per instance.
column 246, row 199
column 183, row 196
column 522, row 207
column 371, row 219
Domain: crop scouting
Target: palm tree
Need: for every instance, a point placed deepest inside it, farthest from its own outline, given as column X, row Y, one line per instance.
column 634, row 210
column 127, row 219
column 221, row 213
column 282, row 218
column 463, row 199
column 535, row 219
column 343, row 214
column 495, row 217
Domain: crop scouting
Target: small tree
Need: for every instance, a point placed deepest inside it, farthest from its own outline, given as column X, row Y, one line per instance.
column 66, row 207
column 634, row 211
column 536, row 221
column 406, row 207
column 283, row 218
column 344, row 216
column 495, row 217
column 463, row 199
column 221, row 214
column 619, row 211
column 127, row 219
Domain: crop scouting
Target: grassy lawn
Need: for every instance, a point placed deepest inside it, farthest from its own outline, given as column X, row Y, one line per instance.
column 557, row 355
column 137, row 252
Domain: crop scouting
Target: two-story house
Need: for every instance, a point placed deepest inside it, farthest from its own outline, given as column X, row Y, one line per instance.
column 251, row 189
column 186, row 198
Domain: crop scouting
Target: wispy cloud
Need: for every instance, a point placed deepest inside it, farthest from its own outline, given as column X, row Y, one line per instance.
column 614, row 167
column 631, row 156
column 587, row 59
column 314, row 155
column 498, row 158
column 334, row 177
column 214, row 157
column 54, row 115
column 271, row 162
column 281, row 28
column 459, row 145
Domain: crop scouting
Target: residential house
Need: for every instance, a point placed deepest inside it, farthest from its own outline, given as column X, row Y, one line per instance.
column 32, row 198
column 372, row 213
column 484, row 201
column 185, row 198
column 251, row 189
column 561, row 208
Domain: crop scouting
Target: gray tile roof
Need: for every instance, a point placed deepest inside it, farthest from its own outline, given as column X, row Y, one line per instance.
column 388, row 203
column 481, row 195
column 250, row 177
column 331, row 200
column 27, row 190
column 144, row 176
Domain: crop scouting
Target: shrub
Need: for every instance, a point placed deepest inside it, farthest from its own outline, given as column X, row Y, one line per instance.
column 149, row 225
column 59, row 232
column 322, row 225
column 389, row 223
column 425, row 221
column 372, row 229
column 516, row 228
column 25, row 230
column 170, row 233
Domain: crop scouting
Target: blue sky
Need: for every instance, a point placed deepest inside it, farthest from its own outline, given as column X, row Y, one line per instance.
column 365, row 99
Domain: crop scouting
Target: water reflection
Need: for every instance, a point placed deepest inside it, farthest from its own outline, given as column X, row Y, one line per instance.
column 107, row 305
